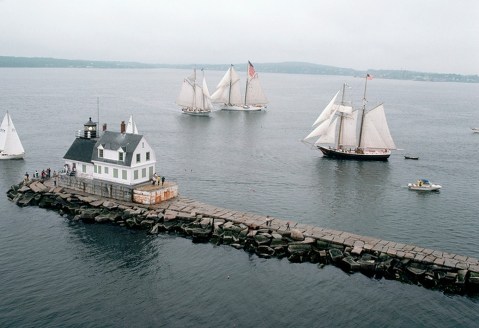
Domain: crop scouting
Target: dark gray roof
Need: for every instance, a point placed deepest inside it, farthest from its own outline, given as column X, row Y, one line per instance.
column 81, row 150
column 113, row 141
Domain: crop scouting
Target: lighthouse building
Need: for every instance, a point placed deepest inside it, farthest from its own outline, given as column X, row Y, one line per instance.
column 123, row 157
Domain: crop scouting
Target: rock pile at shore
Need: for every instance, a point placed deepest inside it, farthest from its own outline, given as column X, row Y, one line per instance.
column 259, row 239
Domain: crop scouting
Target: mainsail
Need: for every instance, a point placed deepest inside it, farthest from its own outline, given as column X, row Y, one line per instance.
column 375, row 133
column 228, row 90
column 254, row 94
column 10, row 143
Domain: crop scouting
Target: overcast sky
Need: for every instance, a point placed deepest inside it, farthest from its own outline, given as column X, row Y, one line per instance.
column 422, row 35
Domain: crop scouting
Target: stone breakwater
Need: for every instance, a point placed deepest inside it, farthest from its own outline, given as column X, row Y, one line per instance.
column 263, row 235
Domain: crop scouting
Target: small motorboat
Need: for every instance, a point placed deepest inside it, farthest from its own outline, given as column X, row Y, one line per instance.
column 411, row 157
column 475, row 130
column 423, row 185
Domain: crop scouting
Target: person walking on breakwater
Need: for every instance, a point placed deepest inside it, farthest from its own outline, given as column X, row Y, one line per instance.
column 25, row 179
column 158, row 178
column 287, row 225
column 154, row 179
column 268, row 221
column 162, row 181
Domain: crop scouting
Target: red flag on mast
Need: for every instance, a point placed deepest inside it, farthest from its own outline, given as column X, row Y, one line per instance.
column 251, row 71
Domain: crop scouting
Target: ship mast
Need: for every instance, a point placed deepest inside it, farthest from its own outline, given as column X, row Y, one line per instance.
column 247, row 80
column 338, row 140
column 203, row 91
column 363, row 110
column 98, row 113
column 229, row 91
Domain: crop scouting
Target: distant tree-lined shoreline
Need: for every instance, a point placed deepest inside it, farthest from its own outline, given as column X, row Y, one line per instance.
column 285, row 67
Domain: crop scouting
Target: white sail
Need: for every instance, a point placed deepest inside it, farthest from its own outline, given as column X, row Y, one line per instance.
column 228, row 90
column 344, row 109
column 254, row 92
column 375, row 133
column 10, row 144
column 131, row 127
column 206, row 96
column 187, row 96
column 319, row 130
column 348, row 137
column 328, row 135
column 3, row 131
column 332, row 110
column 328, row 110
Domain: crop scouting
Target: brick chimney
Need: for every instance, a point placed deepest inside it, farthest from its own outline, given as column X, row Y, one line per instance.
column 104, row 127
column 122, row 127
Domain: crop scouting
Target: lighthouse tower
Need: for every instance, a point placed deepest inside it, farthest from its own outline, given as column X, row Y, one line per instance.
column 89, row 130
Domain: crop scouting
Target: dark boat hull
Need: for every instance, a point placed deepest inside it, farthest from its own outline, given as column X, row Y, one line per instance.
column 334, row 153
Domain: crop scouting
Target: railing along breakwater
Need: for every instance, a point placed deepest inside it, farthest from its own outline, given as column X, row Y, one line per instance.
column 263, row 235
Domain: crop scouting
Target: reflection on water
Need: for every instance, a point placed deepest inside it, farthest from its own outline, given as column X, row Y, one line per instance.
column 113, row 245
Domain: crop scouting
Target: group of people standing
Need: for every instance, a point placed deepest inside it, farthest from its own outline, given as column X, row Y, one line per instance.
column 45, row 174
column 156, row 180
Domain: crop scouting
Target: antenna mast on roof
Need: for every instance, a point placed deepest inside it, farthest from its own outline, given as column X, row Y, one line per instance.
column 98, row 113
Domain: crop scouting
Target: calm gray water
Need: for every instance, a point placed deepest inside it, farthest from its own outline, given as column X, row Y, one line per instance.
column 57, row 273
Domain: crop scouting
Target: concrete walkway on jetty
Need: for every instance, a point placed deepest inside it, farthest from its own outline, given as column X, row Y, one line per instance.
column 184, row 207
column 358, row 243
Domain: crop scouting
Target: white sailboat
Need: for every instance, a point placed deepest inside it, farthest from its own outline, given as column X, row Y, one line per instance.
column 347, row 133
column 194, row 99
column 10, row 144
column 131, row 127
column 228, row 91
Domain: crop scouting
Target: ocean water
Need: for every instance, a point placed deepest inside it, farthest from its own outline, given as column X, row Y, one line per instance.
column 54, row 272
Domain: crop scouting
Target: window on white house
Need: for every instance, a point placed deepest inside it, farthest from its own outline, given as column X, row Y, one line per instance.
column 115, row 173
column 138, row 158
column 100, row 153
column 135, row 174
column 147, row 155
column 143, row 172
column 106, row 169
column 124, row 174
column 120, row 156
